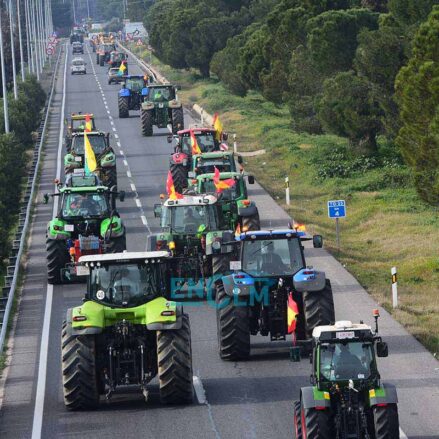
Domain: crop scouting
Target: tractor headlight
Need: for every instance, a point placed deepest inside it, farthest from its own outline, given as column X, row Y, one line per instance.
column 236, row 290
column 216, row 245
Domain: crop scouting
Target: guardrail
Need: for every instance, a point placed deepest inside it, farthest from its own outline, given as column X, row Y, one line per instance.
column 19, row 242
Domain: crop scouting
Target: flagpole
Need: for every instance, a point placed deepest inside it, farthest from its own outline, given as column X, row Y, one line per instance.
column 5, row 92
column 11, row 32
column 20, row 37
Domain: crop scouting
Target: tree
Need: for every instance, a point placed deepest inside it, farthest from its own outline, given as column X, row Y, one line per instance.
column 417, row 93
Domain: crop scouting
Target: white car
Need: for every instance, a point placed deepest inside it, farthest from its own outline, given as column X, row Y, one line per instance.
column 78, row 66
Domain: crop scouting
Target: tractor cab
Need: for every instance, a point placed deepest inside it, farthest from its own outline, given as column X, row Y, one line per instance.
column 116, row 58
column 207, row 162
column 206, row 139
column 77, row 122
column 133, row 93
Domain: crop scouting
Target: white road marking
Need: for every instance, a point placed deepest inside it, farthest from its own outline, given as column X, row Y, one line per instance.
column 144, row 221
column 116, row 136
column 129, row 174
column 199, row 390
column 121, row 153
column 114, row 129
column 111, row 122
column 108, row 111
column 402, row 435
column 133, row 187
column 44, row 347
column 138, row 203
column 125, row 163
column 110, row 117
column 118, row 144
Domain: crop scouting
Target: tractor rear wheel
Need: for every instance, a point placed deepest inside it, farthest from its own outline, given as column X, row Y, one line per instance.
column 316, row 424
column 386, row 422
column 174, row 355
column 117, row 245
column 123, row 107
column 97, row 58
column 251, row 222
column 297, row 420
column 79, row 378
column 57, row 258
column 146, row 119
column 318, row 307
column 233, row 327
column 179, row 176
column 101, row 60
column 220, row 264
column 177, row 120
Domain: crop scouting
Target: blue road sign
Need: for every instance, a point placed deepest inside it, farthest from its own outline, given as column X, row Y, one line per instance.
column 337, row 209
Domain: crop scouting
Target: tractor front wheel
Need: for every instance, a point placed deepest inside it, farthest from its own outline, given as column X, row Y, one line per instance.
column 179, row 175
column 79, row 378
column 57, row 258
column 123, row 105
column 101, row 60
column 97, row 58
column 177, row 120
column 117, row 245
column 386, row 422
column 297, row 420
column 174, row 356
column 110, row 178
column 146, row 119
column 316, row 424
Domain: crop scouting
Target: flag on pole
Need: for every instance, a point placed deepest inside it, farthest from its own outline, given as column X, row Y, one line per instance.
column 90, row 158
column 218, row 126
column 222, row 185
column 170, row 188
column 88, row 125
column 194, row 144
column 122, row 69
column 293, row 312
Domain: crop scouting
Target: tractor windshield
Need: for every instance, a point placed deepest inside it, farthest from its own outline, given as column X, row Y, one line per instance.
column 98, row 143
column 135, row 84
column 116, row 57
column 161, row 94
column 234, row 193
column 348, row 361
column 126, row 285
column 79, row 124
column 208, row 165
column 272, row 257
column 206, row 143
column 84, row 205
column 190, row 219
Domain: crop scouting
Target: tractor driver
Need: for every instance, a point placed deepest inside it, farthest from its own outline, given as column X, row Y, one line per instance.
column 190, row 222
column 271, row 262
column 347, row 364
column 124, row 288
column 82, row 202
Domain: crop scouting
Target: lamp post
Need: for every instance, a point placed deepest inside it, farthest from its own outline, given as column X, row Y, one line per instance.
column 5, row 93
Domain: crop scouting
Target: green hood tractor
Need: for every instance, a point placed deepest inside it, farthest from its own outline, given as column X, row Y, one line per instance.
column 237, row 208
column 160, row 108
column 87, row 223
column 347, row 398
column 76, row 124
column 104, row 153
column 126, row 333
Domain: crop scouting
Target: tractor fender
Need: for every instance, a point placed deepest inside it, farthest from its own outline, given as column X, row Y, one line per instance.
column 108, row 160
column 174, row 104
column 309, row 279
column 116, row 231
column 57, row 234
column 145, row 91
column 311, row 397
column 249, row 210
column 124, row 93
column 179, row 158
column 76, row 331
column 386, row 394
column 166, row 326
column 147, row 105
column 241, row 286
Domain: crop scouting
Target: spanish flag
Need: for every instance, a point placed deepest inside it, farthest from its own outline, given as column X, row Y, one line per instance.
column 218, row 126
column 170, row 188
column 88, row 125
column 222, row 185
column 194, row 144
column 122, row 69
column 293, row 312
column 90, row 158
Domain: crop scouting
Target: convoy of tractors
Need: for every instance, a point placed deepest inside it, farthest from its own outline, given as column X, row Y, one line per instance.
column 130, row 329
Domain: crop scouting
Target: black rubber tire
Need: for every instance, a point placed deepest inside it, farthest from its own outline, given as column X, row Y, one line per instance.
column 251, row 222
column 386, row 422
column 57, row 258
column 179, row 176
column 220, row 264
column 111, row 178
column 97, row 58
column 318, row 308
column 117, row 245
column 101, row 60
column 316, row 424
column 146, row 120
column 297, row 420
column 233, row 327
column 177, row 120
column 123, row 105
column 79, row 378
column 174, row 358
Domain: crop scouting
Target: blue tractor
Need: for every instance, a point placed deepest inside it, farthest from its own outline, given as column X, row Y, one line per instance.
column 268, row 289
column 133, row 92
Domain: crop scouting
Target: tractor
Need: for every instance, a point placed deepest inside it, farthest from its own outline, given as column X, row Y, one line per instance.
column 347, row 398
column 270, row 291
column 160, row 108
column 133, row 93
column 104, row 153
column 117, row 58
column 76, row 36
column 103, row 52
column 76, row 124
column 125, row 333
column 87, row 223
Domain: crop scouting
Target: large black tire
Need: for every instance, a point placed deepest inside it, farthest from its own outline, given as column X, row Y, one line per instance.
column 146, row 120
column 101, row 60
column 97, row 58
column 111, row 178
column 318, row 308
column 316, row 424
column 79, row 378
column 220, row 264
column 179, row 176
column 123, row 107
column 117, row 245
column 386, row 422
column 177, row 120
column 297, row 421
column 174, row 356
column 57, row 258
column 233, row 327
column 251, row 222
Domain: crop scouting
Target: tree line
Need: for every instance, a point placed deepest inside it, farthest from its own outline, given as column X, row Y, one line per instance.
column 356, row 68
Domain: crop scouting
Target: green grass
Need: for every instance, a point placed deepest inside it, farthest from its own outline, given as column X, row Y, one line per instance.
column 387, row 225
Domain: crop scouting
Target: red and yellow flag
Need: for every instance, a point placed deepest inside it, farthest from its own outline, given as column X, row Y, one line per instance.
column 238, row 230
column 222, row 185
column 170, row 188
column 90, row 158
column 194, row 144
column 218, row 126
column 88, row 125
column 292, row 313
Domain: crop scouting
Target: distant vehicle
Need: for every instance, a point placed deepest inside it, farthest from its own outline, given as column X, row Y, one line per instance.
column 114, row 77
column 78, row 66
column 77, row 48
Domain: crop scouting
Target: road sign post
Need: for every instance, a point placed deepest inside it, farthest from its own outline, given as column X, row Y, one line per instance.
column 287, row 190
column 337, row 210
column 394, row 288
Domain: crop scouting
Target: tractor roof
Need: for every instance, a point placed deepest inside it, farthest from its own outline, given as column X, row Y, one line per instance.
column 159, row 85
column 196, row 131
column 90, row 134
column 77, row 189
column 214, row 155
column 223, row 176
column 342, row 330
column 81, row 116
column 192, row 200
column 125, row 257
column 269, row 234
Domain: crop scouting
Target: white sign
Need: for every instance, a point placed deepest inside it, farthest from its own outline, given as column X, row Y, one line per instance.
column 235, row 265
column 82, row 271
column 69, row 227
column 346, row 334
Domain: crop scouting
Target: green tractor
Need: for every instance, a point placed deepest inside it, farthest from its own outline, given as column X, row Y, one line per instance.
column 347, row 398
column 160, row 108
column 237, row 208
column 87, row 223
column 104, row 153
column 126, row 333
column 76, row 124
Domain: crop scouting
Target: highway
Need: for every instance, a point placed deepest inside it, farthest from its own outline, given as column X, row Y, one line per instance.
column 251, row 399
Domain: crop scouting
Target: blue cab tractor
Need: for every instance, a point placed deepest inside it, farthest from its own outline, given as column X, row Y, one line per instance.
column 270, row 290
column 133, row 92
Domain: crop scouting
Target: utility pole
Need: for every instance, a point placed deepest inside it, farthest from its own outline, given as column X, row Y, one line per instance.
column 5, row 93
column 11, row 32
column 20, row 36
column 74, row 13
column 30, row 54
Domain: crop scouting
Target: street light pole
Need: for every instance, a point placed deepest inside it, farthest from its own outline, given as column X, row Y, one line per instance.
column 20, row 36
column 11, row 32
column 30, row 54
column 5, row 92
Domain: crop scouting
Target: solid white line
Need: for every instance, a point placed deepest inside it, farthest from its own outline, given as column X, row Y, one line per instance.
column 125, row 163
column 128, row 174
column 44, row 347
column 133, row 187
column 144, row 221
column 138, row 203
column 199, row 390
column 402, row 435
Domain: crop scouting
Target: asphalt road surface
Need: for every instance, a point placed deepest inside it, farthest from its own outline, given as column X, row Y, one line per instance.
column 251, row 399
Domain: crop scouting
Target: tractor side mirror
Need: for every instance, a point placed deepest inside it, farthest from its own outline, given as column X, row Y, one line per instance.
column 122, row 196
column 177, row 87
column 240, row 160
column 317, row 241
column 382, row 349
column 157, row 210
column 169, row 138
column 46, row 198
column 251, row 179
